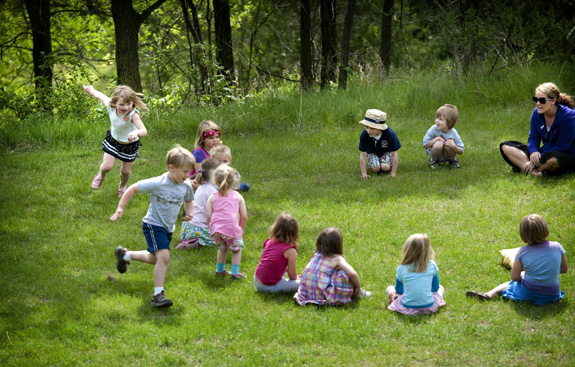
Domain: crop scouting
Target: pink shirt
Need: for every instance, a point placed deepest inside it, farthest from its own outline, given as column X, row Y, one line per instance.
column 273, row 263
column 226, row 215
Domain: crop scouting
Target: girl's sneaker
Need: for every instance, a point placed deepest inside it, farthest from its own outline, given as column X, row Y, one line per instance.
column 364, row 294
column 160, row 300
column 238, row 276
column 222, row 273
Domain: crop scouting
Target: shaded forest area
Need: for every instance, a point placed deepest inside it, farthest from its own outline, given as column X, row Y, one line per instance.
column 200, row 51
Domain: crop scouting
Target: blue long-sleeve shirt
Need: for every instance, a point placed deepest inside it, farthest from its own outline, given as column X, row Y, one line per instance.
column 560, row 136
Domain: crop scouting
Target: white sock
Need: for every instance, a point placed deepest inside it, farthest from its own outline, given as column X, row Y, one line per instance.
column 127, row 256
column 158, row 290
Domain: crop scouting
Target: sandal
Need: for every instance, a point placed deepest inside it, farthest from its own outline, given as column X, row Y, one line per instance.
column 97, row 181
column 479, row 295
column 121, row 192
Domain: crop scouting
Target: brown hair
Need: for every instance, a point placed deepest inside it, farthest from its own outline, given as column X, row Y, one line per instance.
column 449, row 113
column 128, row 95
column 226, row 178
column 205, row 172
column 205, row 125
column 285, row 229
column 552, row 91
column 417, row 252
column 180, row 158
column 329, row 242
column 533, row 229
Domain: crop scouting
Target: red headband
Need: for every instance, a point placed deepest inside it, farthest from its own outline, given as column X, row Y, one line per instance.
column 209, row 133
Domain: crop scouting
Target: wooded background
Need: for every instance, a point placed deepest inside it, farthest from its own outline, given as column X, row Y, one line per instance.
column 201, row 51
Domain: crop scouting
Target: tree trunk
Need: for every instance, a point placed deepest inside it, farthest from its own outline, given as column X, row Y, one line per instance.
column 305, row 45
column 345, row 41
column 225, row 55
column 386, row 28
column 39, row 14
column 328, row 42
column 197, row 54
column 127, row 24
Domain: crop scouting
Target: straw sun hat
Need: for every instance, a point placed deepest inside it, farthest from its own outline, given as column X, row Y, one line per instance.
column 375, row 119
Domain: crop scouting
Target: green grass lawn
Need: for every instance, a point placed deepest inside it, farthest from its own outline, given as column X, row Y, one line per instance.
column 59, row 307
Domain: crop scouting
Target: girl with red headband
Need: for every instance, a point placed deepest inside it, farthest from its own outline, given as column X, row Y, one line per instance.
column 208, row 136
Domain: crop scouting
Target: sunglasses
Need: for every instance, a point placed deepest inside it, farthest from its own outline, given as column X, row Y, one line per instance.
column 541, row 100
column 209, row 133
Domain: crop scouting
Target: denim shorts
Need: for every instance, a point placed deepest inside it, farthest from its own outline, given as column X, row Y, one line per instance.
column 158, row 238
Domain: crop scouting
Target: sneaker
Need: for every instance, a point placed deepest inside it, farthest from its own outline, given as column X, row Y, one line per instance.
column 454, row 163
column 222, row 273
column 121, row 264
column 160, row 300
column 97, row 181
column 364, row 294
column 433, row 164
column 238, row 276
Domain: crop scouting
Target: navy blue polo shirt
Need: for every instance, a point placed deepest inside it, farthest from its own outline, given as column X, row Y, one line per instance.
column 388, row 142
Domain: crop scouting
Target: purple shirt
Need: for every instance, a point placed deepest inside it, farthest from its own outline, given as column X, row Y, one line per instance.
column 542, row 263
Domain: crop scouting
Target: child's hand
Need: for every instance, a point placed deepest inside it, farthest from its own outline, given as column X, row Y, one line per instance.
column 365, row 176
column 187, row 218
column 117, row 214
column 132, row 136
column 88, row 89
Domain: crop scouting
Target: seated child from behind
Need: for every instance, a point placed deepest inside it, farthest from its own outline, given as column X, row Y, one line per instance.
column 442, row 142
column 196, row 232
column 378, row 145
column 279, row 257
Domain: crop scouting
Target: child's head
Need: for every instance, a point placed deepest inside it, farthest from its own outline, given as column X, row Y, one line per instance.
column 374, row 121
column 226, row 178
column 449, row 113
column 179, row 157
column 206, row 170
column 417, row 251
column 533, row 229
column 125, row 94
column 329, row 242
column 208, row 135
column 285, row 229
column 222, row 153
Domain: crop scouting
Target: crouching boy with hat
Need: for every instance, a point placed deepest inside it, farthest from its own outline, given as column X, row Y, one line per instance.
column 378, row 145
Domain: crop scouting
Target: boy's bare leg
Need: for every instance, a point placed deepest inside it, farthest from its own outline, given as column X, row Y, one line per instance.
column 163, row 259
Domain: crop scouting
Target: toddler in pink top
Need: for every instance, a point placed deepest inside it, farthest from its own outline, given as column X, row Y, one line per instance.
column 227, row 215
column 279, row 256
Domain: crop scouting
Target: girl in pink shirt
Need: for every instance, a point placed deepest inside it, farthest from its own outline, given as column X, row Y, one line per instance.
column 279, row 256
column 227, row 215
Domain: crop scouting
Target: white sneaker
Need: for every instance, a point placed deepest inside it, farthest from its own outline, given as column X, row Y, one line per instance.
column 364, row 294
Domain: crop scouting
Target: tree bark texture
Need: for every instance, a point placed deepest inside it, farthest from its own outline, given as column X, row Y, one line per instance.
column 223, row 28
column 127, row 24
column 386, row 29
column 197, row 54
column 328, row 42
column 305, row 45
column 345, row 41
column 39, row 14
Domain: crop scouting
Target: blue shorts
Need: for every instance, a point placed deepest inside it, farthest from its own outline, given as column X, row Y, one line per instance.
column 158, row 238
column 516, row 291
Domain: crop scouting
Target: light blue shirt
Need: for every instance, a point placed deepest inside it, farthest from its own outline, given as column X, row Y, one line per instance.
column 542, row 263
column 166, row 199
column 417, row 287
column 434, row 132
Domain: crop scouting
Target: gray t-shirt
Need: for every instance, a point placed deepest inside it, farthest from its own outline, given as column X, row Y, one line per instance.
column 434, row 132
column 166, row 198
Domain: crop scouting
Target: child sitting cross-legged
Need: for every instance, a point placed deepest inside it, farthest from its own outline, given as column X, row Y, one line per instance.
column 417, row 289
column 196, row 232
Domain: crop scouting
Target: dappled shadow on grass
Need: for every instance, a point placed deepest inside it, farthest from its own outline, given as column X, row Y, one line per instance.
column 279, row 298
column 534, row 312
